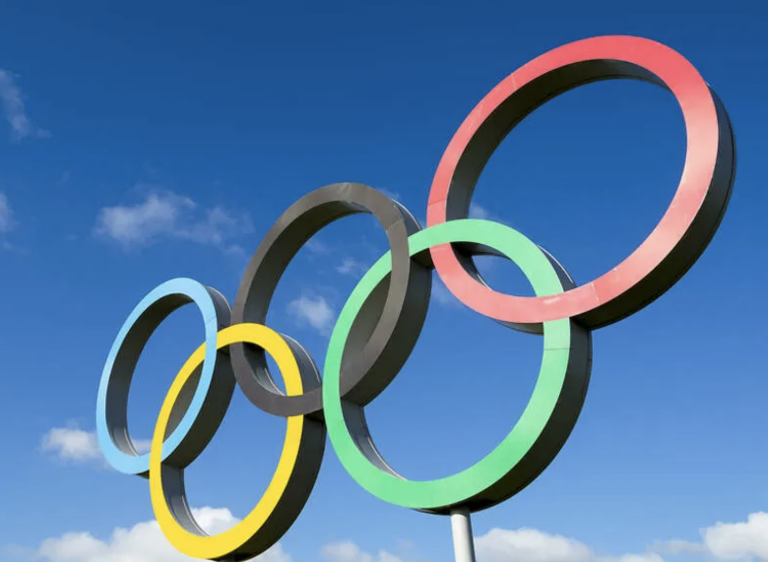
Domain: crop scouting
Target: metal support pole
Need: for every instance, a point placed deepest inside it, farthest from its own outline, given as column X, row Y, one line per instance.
column 463, row 542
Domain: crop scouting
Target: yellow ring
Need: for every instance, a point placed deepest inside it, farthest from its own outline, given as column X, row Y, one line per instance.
column 230, row 541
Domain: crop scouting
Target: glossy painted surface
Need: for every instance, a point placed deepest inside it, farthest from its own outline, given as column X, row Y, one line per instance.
column 672, row 247
column 378, row 329
column 535, row 439
column 286, row 494
column 388, row 327
column 112, row 402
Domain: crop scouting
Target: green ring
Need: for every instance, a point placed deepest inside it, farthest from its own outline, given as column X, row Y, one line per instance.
column 461, row 487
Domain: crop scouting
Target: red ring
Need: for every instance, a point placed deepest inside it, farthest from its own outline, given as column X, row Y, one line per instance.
column 679, row 238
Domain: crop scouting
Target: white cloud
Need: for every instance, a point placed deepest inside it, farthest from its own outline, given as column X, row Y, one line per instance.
column 144, row 542
column 317, row 247
column 745, row 540
column 442, row 295
column 738, row 541
column 532, row 545
column 348, row 551
column 641, row 557
column 476, row 211
column 74, row 444
column 391, row 194
column 479, row 212
column 529, row 545
column 7, row 223
column 677, row 547
column 351, row 266
column 13, row 107
column 167, row 215
column 314, row 311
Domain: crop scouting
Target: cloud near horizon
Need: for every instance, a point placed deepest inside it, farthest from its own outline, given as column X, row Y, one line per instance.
column 144, row 542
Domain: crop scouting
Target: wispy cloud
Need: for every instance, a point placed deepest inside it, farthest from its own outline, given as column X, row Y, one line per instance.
column 317, row 247
column 395, row 196
column 170, row 216
column 313, row 311
column 7, row 222
column 677, row 547
column 442, row 295
column 14, row 110
column 77, row 445
column 351, row 266
column 348, row 551
column 477, row 211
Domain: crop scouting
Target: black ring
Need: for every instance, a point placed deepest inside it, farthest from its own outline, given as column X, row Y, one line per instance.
column 384, row 333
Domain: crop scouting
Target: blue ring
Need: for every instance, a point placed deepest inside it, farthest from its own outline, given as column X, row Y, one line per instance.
column 198, row 293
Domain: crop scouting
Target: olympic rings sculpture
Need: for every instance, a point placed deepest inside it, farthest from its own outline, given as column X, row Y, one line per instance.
column 381, row 321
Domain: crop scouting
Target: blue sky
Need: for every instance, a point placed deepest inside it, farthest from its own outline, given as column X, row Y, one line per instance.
column 146, row 141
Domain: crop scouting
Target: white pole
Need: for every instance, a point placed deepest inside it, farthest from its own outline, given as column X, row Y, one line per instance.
column 463, row 542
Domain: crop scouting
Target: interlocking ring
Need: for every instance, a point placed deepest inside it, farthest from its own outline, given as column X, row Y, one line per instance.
column 379, row 325
column 191, row 425
column 535, row 439
column 387, row 329
column 290, row 486
column 670, row 250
